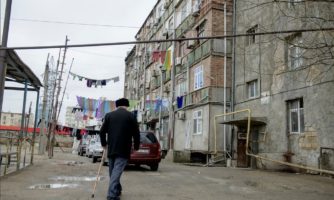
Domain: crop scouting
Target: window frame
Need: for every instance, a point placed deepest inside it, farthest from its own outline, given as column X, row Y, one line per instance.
column 251, row 39
column 252, row 86
column 299, row 110
column 200, row 30
column 183, row 11
column 294, row 52
column 198, row 77
column 197, row 122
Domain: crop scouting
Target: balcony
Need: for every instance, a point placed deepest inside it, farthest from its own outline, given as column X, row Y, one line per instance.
column 214, row 46
column 185, row 26
column 205, row 95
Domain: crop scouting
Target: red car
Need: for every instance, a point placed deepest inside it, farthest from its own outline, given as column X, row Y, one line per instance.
column 149, row 152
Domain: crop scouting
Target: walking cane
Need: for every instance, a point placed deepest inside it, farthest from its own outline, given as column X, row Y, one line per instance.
column 98, row 173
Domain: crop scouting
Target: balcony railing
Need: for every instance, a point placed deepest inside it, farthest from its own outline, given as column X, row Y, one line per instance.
column 205, row 95
column 186, row 25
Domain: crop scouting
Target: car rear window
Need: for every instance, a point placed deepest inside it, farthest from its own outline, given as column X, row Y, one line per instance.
column 147, row 138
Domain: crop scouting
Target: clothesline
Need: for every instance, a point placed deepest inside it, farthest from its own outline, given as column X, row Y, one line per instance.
column 94, row 82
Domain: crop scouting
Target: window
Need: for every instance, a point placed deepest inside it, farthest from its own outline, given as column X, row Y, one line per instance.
column 183, row 12
column 181, row 88
column 295, row 53
column 171, row 24
column 198, row 78
column 4, row 120
column 182, row 48
column 198, row 122
column 250, row 39
column 201, row 30
column 252, row 89
column 296, row 116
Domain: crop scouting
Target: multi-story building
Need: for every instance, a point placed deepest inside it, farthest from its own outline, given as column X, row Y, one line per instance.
column 287, row 82
column 73, row 118
column 182, row 85
column 14, row 119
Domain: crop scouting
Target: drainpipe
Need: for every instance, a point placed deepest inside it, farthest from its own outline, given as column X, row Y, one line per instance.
column 233, row 66
column 22, row 125
column 160, row 109
column 224, row 146
column 171, row 111
column 35, row 125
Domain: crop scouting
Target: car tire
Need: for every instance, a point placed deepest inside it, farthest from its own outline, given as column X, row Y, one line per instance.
column 94, row 159
column 154, row 167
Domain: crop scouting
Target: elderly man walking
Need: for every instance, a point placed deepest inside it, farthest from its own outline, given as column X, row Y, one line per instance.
column 121, row 128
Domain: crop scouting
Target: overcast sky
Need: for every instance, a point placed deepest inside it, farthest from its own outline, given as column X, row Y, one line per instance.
column 125, row 17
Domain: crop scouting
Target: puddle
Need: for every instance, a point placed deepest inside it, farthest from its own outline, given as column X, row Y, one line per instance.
column 52, row 186
column 77, row 178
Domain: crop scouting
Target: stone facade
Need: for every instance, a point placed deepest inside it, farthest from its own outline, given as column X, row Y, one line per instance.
column 287, row 79
column 196, row 75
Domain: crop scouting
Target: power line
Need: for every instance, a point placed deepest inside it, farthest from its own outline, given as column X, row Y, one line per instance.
column 169, row 40
column 74, row 23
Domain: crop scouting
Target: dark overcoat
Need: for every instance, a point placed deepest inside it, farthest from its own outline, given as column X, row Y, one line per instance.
column 121, row 128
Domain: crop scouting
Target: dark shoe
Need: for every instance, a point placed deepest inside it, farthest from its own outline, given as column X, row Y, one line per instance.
column 113, row 198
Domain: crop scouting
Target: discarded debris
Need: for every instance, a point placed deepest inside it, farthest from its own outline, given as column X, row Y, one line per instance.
column 76, row 178
column 52, row 186
column 70, row 163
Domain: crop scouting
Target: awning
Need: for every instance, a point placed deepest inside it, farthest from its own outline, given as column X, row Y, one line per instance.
column 255, row 121
column 18, row 71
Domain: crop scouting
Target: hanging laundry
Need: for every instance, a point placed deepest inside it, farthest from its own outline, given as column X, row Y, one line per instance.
column 89, row 83
column 168, row 60
column 179, row 101
column 116, row 79
column 95, row 82
column 155, row 56
column 103, row 82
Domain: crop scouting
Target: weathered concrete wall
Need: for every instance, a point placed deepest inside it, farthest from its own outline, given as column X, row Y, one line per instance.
column 266, row 61
column 194, row 142
column 204, row 142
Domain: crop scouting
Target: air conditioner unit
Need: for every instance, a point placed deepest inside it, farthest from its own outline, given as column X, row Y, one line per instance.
column 178, row 61
column 156, row 21
column 181, row 115
column 139, row 53
column 190, row 44
column 147, row 85
column 196, row 9
column 155, row 73
column 165, row 32
column 166, row 4
column 125, row 84
column 167, row 89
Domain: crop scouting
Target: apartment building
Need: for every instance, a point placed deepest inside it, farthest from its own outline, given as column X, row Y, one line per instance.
column 287, row 82
column 14, row 119
column 181, row 86
column 74, row 118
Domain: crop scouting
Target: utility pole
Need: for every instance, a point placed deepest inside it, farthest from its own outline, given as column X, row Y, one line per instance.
column 41, row 148
column 62, row 98
column 51, row 109
column 3, row 67
column 54, row 118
